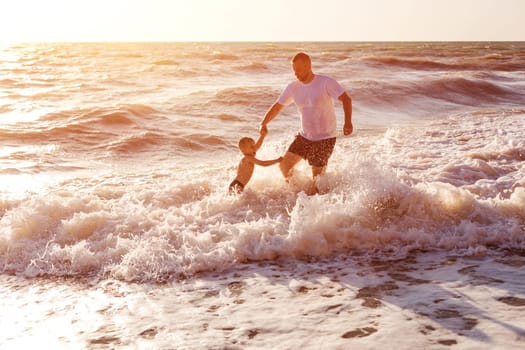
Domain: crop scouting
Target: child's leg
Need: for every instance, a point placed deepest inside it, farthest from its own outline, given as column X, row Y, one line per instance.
column 236, row 187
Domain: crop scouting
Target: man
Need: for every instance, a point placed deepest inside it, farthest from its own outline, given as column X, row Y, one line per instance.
column 313, row 95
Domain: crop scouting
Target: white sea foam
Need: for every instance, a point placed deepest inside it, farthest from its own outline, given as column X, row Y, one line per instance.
column 155, row 226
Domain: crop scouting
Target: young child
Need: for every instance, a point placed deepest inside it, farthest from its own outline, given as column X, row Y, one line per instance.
column 249, row 147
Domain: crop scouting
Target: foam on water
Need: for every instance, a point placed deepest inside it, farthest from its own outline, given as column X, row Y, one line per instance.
column 376, row 196
column 113, row 174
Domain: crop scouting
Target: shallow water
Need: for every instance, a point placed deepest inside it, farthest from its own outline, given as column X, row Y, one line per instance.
column 115, row 161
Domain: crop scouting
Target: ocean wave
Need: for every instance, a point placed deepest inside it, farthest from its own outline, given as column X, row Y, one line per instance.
column 245, row 96
column 469, row 91
column 166, row 63
column 465, row 91
column 152, row 229
column 7, row 83
column 124, row 129
column 121, row 115
column 91, row 126
column 33, row 168
column 5, row 108
column 512, row 154
column 229, row 118
column 11, row 171
column 253, row 67
column 487, row 63
column 135, row 142
column 172, row 69
column 223, row 56
column 469, row 172
column 153, row 141
column 198, row 142
column 408, row 63
column 457, row 185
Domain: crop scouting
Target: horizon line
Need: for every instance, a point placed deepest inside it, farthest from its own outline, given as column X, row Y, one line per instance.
column 248, row 41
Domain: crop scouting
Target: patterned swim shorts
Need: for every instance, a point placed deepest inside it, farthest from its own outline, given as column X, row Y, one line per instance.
column 315, row 152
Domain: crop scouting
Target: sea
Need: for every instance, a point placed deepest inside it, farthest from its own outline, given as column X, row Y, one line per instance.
column 117, row 230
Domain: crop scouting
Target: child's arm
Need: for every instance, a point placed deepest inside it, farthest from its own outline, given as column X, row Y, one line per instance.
column 264, row 132
column 267, row 162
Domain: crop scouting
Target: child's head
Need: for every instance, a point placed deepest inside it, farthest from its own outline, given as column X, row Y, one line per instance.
column 246, row 145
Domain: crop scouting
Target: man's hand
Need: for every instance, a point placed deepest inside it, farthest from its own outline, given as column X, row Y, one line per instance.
column 348, row 129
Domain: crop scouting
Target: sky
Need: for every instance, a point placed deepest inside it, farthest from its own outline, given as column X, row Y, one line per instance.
column 262, row 20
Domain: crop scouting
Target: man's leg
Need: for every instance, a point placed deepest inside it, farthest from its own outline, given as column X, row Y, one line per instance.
column 289, row 161
column 317, row 171
column 322, row 151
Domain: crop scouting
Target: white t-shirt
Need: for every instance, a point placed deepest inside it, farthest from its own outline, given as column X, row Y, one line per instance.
column 315, row 104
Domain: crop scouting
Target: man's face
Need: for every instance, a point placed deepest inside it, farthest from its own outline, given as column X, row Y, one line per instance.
column 301, row 70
